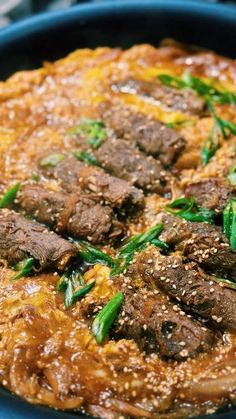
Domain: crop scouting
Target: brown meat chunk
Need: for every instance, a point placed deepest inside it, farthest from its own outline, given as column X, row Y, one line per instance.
column 126, row 162
column 150, row 135
column 79, row 216
column 200, row 242
column 153, row 322
column 211, row 193
column 21, row 238
column 191, row 286
column 183, row 100
column 117, row 192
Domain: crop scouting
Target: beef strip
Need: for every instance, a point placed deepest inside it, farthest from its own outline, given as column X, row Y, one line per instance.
column 78, row 216
column 211, row 193
column 191, row 286
column 117, row 192
column 183, row 100
column 200, row 242
column 125, row 161
column 156, row 326
column 150, row 135
column 21, row 238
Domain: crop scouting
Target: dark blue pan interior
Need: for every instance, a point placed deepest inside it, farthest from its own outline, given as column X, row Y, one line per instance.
column 117, row 23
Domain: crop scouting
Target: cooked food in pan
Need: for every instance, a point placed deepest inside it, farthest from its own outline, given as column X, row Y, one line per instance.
column 118, row 232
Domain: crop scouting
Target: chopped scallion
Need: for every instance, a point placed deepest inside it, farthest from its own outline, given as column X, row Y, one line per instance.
column 106, row 317
column 52, row 160
column 72, row 296
column 86, row 157
column 24, row 268
column 223, row 124
column 93, row 129
column 137, row 243
column 224, row 282
column 210, row 146
column 93, row 255
column 204, row 89
column 229, row 222
column 187, row 208
column 10, row 195
column 232, row 175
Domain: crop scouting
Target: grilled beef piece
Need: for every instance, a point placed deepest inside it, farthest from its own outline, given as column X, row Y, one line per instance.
column 157, row 325
column 202, row 243
column 150, row 135
column 75, row 175
column 190, row 285
column 78, row 216
column 183, row 100
column 21, row 238
column 117, row 192
column 211, row 193
column 125, row 161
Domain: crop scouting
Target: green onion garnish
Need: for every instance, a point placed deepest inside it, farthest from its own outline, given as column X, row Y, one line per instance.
column 93, row 129
column 10, row 195
column 232, row 175
column 210, row 146
column 133, row 244
column 72, row 274
column 106, row 317
column 71, row 283
column 72, row 296
column 93, row 255
column 172, row 81
column 24, row 268
column 224, row 282
column 82, row 291
column 187, row 208
column 223, row 124
column 68, row 296
column 137, row 243
column 204, row 89
column 86, row 157
column 229, row 222
column 52, row 160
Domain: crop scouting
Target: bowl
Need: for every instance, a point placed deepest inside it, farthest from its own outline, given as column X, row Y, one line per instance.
column 48, row 36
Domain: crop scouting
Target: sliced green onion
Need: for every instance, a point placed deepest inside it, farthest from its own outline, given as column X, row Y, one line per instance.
column 229, row 222
column 224, row 282
column 35, row 177
column 137, row 243
column 82, row 291
column 68, row 296
column 210, row 146
column 52, row 160
column 86, row 157
column 160, row 243
column 93, row 129
column 223, row 124
column 93, row 255
column 71, row 296
column 106, row 317
column 24, row 268
column 202, row 88
column 10, row 195
column 171, row 81
column 180, row 206
column 133, row 244
column 72, row 274
column 186, row 208
column 232, row 175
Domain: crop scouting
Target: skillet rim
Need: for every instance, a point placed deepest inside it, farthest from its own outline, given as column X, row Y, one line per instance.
column 49, row 20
